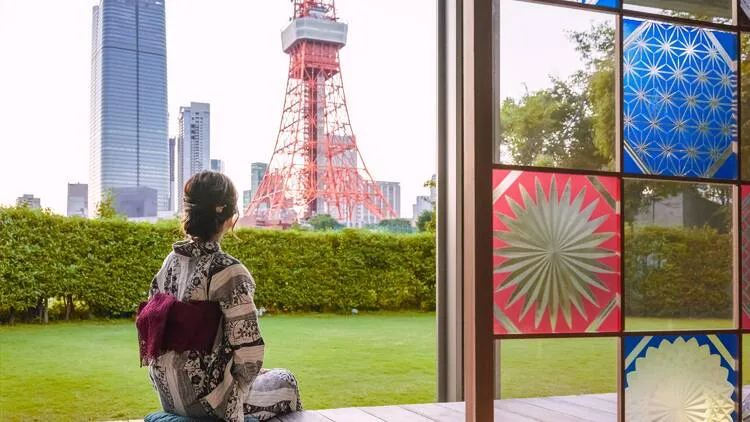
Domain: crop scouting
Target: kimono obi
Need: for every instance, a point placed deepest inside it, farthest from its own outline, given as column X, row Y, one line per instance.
column 166, row 324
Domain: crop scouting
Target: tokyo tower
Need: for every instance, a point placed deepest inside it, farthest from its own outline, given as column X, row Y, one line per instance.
column 316, row 167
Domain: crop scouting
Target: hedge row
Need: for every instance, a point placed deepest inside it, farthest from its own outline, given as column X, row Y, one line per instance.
column 679, row 273
column 109, row 264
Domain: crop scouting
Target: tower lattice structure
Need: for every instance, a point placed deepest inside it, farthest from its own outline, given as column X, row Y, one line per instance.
column 316, row 167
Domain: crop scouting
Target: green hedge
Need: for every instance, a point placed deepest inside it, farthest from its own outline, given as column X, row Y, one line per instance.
column 678, row 272
column 108, row 264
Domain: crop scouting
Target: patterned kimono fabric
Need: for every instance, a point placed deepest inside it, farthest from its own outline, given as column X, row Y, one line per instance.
column 228, row 382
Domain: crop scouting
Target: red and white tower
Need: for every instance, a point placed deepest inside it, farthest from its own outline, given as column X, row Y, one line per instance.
column 316, row 167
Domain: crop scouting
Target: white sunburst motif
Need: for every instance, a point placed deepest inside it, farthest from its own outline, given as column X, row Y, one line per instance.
column 679, row 381
column 553, row 252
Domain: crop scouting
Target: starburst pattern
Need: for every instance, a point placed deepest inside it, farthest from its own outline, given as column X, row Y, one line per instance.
column 680, row 379
column 680, row 86
column 556, row 252
column 745, row 227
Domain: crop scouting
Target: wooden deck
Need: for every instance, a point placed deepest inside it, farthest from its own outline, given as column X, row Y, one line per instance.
column 590, row 408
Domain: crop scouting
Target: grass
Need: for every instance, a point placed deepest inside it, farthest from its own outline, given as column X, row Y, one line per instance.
column 89, row 370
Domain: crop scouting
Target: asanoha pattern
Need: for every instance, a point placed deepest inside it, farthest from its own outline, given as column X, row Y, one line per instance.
column 680, row 100
column 556, row 247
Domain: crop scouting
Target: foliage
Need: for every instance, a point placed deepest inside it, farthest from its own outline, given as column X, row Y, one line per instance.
column 571, row 123
column 678, row 273
column 425, row 222
column 324, row 222
column 106, row 208
column 396, row 225
column 108, row 264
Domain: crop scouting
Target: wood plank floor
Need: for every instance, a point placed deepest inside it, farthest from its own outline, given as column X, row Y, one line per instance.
column 591, row 408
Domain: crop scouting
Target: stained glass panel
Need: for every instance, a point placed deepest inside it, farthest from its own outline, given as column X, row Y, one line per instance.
column 719, row 11
column 556, row 247
column 681, row 378
column 680, row 100
column 745, row 234
column 745, row 101
column 603, row 3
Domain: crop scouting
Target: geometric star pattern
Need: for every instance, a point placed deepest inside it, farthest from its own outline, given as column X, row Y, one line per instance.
column 689, row 378
column 603, row 3
column 556, row 248
column 745, row 234
column 680, row 100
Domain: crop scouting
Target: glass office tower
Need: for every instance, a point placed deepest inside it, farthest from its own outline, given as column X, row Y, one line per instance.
column 129, row 123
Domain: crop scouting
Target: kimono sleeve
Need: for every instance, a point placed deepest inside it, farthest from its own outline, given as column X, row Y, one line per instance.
column 233, row 288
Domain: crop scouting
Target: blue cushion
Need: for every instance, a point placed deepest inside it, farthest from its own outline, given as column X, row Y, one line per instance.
column 169, row 417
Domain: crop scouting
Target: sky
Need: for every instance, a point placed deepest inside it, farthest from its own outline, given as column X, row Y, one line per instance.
column 227, row 53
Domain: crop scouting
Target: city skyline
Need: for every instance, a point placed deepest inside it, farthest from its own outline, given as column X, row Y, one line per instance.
column 245, row 90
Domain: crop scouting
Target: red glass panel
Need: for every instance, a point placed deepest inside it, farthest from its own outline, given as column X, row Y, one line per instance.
column 557, row 253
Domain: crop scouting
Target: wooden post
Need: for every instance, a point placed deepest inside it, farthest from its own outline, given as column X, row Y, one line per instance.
column 478, row 115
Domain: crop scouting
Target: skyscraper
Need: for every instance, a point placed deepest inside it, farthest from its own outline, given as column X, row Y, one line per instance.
column 193, row 144
column 172, row 171
column 217, row 165
column 391, row 192
column 257, row 172
column 129, row 151
column 78, row 198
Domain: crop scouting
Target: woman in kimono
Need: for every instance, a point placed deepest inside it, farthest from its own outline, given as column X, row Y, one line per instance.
column 199, row 332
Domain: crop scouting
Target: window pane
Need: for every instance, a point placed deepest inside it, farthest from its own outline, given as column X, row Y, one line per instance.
column 600, row 3
column 678, row 255
column 719, row 11
column 552, row 367
column 557, row 87
column 681, row 378
column 680, row 100
column 557, row 260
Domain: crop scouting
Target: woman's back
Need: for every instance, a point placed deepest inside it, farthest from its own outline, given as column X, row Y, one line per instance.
column 222, row 378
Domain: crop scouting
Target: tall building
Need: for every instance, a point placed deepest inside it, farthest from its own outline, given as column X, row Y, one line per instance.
column 29, row 200
column 193, row 144
column 425, row 202
column 391, row 192
column 78, row 199
column 247, row 196
column 257, row 172
column 172, row 171
column 128, row 142
column 217, row 165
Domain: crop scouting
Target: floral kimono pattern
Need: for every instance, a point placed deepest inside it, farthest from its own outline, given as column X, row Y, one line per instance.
column 228, row 382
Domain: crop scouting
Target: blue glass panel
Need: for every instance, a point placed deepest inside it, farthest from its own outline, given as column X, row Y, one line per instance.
column 690, row 377
column 680, row 108
column 602, row 3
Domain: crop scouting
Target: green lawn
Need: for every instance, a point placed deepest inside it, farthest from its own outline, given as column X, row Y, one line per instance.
column 89, row 370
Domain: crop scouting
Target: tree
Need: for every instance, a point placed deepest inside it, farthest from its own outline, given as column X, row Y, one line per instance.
column 571, row 124
column 324, row 222
column 425, row 221
column 106, row 208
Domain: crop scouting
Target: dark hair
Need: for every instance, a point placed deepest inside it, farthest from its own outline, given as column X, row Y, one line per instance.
column 210, row 200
